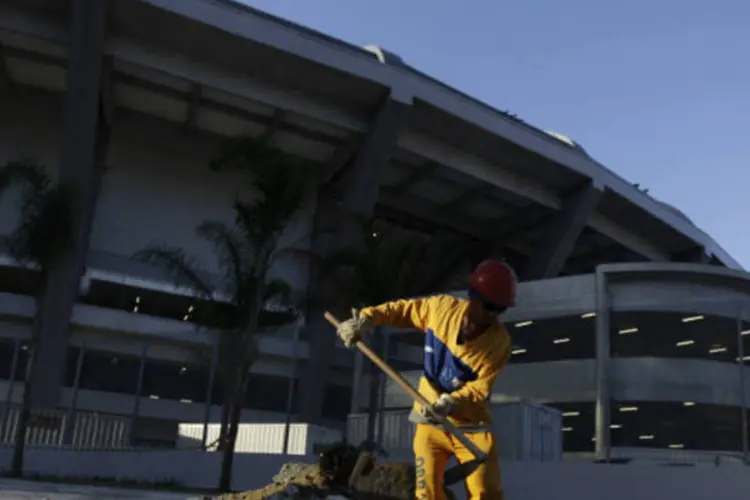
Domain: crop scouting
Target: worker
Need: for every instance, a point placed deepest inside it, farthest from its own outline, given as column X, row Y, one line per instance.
column 465, row 349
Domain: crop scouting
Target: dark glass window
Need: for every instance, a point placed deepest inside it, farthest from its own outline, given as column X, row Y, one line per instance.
column 7, row 347
column 109, row 371
column 267, row 392
column 175, row 380
column 337, row 401
column 23, row 359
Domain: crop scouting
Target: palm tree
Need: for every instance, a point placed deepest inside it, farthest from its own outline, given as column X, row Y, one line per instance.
column 389, row 263
column 43, row 234
column 245, row 251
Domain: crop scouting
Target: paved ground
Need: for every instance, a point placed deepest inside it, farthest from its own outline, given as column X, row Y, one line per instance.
column 31, row 490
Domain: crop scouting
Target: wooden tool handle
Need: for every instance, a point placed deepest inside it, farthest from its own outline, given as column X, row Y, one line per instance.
column 411, row 391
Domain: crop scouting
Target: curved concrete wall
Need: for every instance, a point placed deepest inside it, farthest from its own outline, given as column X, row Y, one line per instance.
column 666, row 287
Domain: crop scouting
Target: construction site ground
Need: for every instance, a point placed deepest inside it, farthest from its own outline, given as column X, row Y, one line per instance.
column 13, row 489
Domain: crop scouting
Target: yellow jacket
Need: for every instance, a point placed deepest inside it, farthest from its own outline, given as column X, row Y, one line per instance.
column 465, row 371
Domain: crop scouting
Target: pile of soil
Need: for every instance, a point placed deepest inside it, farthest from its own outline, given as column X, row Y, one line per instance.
column 386, row 481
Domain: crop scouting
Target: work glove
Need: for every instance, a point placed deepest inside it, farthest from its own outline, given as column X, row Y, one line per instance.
column 353, row 330
column 444, row 407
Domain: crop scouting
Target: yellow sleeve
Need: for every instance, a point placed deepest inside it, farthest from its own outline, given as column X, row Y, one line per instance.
column 405, row 313
column 479, row 390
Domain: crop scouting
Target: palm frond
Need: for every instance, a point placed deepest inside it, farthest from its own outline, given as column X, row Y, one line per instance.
column 277, row 290
column 228, row 246
column 183, row 270
column 45, row 228
column 27, row 174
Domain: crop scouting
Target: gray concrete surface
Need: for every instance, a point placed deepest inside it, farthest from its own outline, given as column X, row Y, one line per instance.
column 12, row 489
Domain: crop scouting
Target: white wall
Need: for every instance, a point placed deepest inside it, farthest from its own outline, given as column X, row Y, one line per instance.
column 158, row 188
column 523, row 481
column 30, row 126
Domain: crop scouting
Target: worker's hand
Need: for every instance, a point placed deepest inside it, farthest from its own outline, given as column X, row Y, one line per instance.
column 353, row 330
column 443, row 407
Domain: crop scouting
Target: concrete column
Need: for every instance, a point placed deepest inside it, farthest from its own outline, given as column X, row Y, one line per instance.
column 602, row 416
column 85, row 143
column 70, row 416
column 562, row 233
column 210, row 390
column 341, row 209
column 138, row 391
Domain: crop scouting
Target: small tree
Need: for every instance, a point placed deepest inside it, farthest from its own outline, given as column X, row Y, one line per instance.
column 390, row 263
column 43, row 234
column 245, row 251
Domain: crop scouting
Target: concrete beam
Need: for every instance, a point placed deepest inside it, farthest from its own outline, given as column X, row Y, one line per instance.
column 85, row 141
column 362, row 180
column 465, row 198
column 7, row 85
column 194, row 103
column 340, row 159
column 697, row 255
column 359, row 194
column 412, row 177
column 562, row 234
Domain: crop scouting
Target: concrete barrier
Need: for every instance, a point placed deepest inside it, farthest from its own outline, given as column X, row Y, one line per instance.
column 523, row 481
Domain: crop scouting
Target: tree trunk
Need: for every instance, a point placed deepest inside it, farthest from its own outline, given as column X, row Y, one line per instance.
column 374, row 387
column 224, row 426
column 24, row 416
column 227, row 459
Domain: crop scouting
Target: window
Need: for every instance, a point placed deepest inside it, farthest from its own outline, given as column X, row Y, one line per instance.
column 267, row 392
column 7, row 347
column 337, row 401
column 174, row 380
column 23, row 360
column 110, row 372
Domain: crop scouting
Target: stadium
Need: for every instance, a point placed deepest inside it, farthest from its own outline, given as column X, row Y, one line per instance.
column 631, row 320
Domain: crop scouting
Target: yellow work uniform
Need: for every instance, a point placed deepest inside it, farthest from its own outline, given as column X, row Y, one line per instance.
column 466, row 371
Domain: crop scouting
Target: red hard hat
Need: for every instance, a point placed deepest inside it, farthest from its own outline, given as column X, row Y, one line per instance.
column 495, row 282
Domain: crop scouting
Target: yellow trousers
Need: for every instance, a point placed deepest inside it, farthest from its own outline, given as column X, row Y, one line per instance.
column 433, row 449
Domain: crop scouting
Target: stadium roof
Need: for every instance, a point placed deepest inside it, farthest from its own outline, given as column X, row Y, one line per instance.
column 221, row 67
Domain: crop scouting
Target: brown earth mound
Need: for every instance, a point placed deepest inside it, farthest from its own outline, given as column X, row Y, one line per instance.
column 386, row 481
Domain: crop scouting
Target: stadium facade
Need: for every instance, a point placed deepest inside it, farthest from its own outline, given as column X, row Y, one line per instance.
column 130, row 99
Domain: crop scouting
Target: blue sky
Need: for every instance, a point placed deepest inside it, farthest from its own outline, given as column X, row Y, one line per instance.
column 657, row 90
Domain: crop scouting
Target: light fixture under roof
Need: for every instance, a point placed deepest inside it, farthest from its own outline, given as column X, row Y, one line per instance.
column 685, row 343
column 521, row 324
column 629, row 409
column 688, row 403
column 692, row 319
column 625, row 331
column 717, row 350
column 563, row 340
column 518, row 350
column 588, row 315
column 646, row 437
column 571, row 413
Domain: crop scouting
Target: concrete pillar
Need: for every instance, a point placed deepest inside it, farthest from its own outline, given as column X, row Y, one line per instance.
column 341, row 209
column 562, row 233
column 70, row 416
column 84, row 147
column 602, row 417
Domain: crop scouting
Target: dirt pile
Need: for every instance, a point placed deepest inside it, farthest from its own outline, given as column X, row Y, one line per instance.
column 386, row 481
